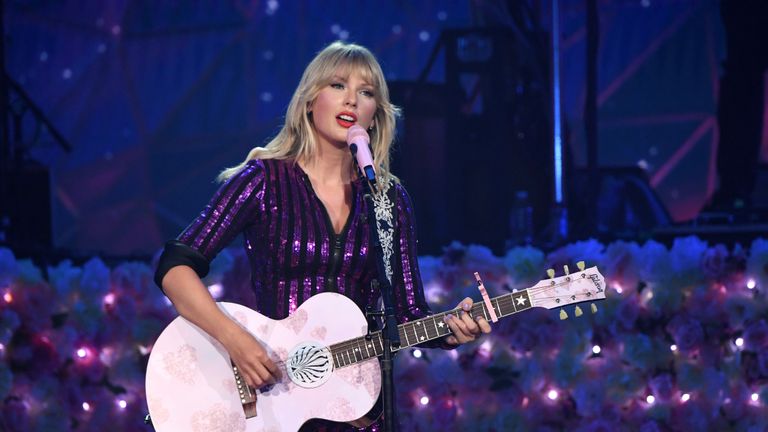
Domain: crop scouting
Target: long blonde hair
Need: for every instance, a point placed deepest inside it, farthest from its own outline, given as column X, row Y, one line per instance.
column 296, row 139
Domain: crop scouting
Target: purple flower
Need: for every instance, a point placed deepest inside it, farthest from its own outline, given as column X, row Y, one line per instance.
column 589, row 395
column 8, row 267
column 133, row 279
column 589, row 251
column 94, row 283
column 627, row 312
column 64, row 278
column 6, row 380
column 453, row 254
column 662, row 387
column 714, row 261
column 685, row 255
column 9, row 322
column 445, row 411
column 650, row 426
column 524, row 264
column 762, row 363
column 756, row 335
column 638, row 350
column 715, row 382
column 620, row 263
column 757, row 264
column 35, row 352
column 654, row 262
column 15, row 414
column 522, row 338
column 686, row 332
column 739, row 309
column 598, row 425
column 691, row 416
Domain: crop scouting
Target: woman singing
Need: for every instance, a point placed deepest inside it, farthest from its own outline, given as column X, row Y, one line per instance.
column 299, row 204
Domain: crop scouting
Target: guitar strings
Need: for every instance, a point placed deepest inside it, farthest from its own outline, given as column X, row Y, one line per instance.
column 502, row 302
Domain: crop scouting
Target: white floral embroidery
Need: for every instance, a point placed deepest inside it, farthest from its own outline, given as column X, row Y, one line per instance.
column 383, row 209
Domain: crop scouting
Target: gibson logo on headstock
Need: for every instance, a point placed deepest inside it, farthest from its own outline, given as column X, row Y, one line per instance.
column 596, row 280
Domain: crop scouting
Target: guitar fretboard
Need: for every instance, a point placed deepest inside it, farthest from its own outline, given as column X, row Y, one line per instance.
column 424, row 330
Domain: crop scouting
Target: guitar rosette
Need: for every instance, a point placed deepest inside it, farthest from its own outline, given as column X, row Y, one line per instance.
column 309, row 365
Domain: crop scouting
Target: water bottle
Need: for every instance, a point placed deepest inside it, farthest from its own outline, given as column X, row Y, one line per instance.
column 520, row 221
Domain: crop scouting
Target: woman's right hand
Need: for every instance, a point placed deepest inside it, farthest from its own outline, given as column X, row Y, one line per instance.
column 251, row 359
column 193, row 301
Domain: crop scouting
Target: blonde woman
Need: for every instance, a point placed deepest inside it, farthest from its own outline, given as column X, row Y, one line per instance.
column 299, row 204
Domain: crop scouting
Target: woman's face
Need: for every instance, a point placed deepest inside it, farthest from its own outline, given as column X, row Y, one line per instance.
column 345, row 101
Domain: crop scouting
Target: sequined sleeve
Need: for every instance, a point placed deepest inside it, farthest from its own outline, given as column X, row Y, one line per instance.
column 406, row 280
column 233, row 207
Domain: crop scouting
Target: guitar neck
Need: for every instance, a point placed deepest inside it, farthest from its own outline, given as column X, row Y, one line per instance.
column 423, row 330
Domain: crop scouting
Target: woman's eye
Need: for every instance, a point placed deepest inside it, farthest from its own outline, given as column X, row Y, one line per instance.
column 368, row 93
column 337, row 85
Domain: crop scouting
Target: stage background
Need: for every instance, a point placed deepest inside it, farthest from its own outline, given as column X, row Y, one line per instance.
column 157, row 98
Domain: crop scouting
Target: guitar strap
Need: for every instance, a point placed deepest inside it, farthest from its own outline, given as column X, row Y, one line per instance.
column 385, row 210
column 386, row 217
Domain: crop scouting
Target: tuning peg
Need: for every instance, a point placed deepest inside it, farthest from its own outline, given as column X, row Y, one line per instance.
column 581, row 265
column 593, row 307
column 563, row 314
column 566, row 269
column 551, row 273
column 577, row 311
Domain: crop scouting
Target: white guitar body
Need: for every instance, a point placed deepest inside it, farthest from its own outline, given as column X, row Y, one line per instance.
column 191, row 385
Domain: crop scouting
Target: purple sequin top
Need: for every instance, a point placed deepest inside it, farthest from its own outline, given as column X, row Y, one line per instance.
column 293, row 250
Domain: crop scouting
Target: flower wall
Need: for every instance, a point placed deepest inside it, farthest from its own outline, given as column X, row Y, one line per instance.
column 680, row 343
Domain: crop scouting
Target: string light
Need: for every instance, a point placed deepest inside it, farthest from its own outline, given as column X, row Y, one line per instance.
column 685, row 397
column 122, row 403
column 216, row 290
column 596, row 349
column 553, row 394
column 751, row 284
column 416, row 353
column 650, row 399
column 424, row 400
column 8, row 297
column 739, row 342
column 82, row 353
column 673, row 347
column 86, row 406
column 755, row 397
column 109, row 300
column 485, row 349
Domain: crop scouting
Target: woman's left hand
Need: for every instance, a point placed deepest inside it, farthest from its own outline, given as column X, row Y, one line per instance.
column 466, row 328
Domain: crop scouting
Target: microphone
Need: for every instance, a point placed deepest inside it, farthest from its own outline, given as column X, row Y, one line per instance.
column 358, row 142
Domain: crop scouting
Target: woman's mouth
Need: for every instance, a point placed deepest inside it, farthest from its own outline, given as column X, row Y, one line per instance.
column 346, row 119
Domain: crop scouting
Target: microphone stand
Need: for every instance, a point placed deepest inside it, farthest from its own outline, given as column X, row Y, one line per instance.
column 390, row 336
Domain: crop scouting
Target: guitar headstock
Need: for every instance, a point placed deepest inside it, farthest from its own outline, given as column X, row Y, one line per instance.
column 585, row 285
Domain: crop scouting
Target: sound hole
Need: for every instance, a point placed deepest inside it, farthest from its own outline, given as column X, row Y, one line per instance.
column 309, row 365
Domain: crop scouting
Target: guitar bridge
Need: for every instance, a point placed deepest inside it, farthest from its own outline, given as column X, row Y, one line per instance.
column 246, row 394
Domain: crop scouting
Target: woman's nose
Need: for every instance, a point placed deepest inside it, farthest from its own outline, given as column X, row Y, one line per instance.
column 350, row 99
